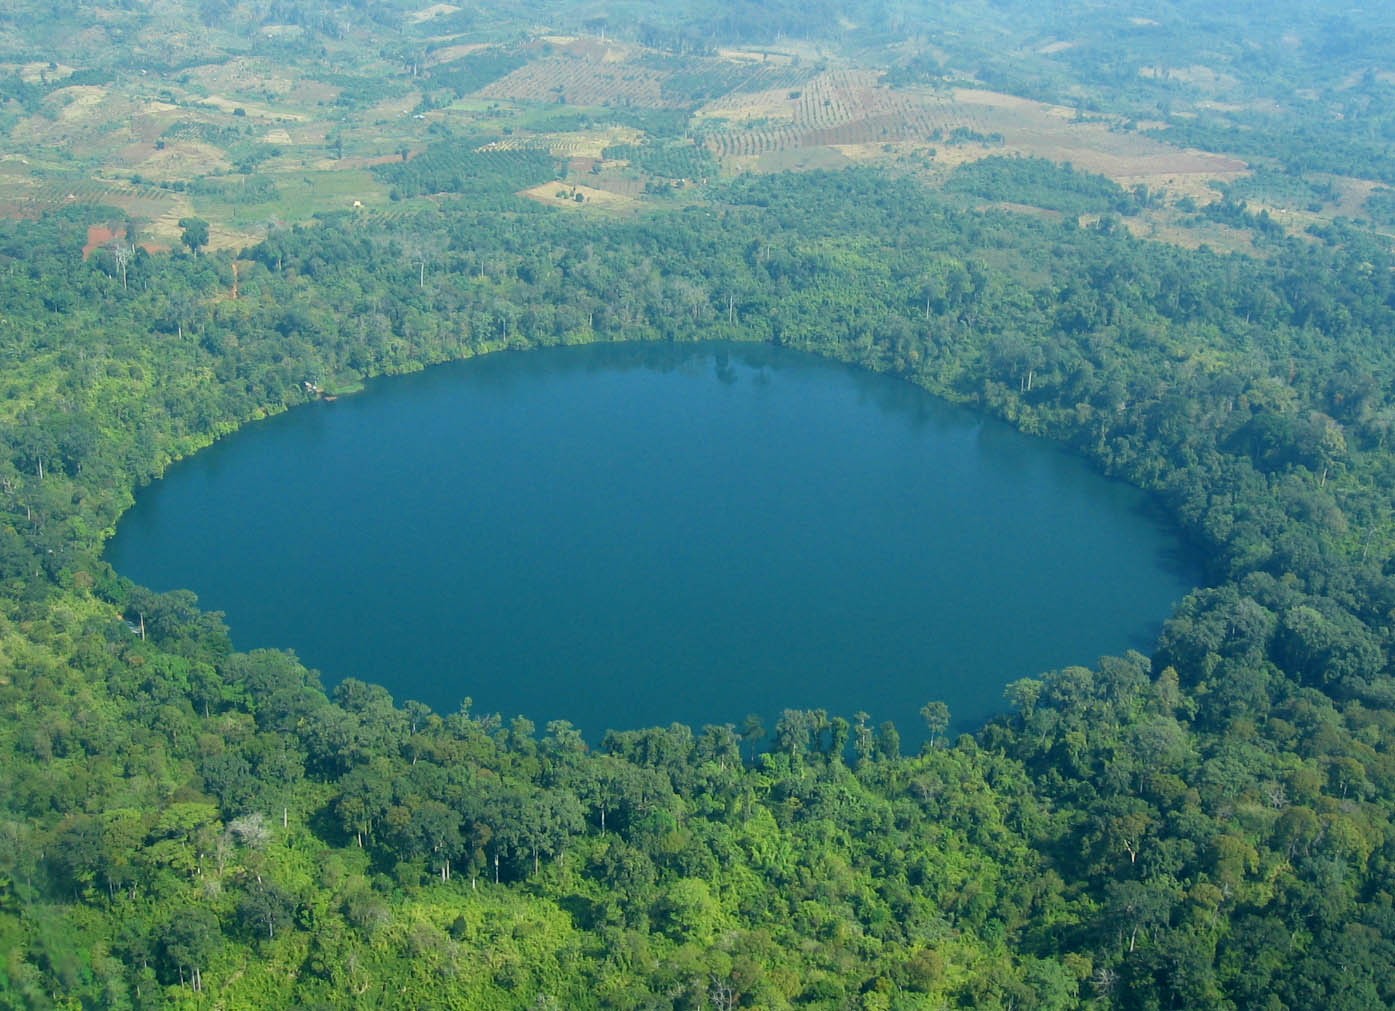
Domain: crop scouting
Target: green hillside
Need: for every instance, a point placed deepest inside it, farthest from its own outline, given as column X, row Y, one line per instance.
column 1205, row 826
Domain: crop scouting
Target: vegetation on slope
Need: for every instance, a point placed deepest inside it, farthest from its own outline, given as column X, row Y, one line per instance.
column 1205, row 827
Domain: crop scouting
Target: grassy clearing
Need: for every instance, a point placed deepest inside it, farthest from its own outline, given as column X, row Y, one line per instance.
column 565, row 194
column 1351, row 194
column 255, row 110
column 300, row 197
column 429, row 13
column 803, row 159
column 1188, row 232
column 184, row 160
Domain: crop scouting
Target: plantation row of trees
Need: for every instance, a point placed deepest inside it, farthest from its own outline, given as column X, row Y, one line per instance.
column 459, row 167
column 668, row 161
column 1208, row 826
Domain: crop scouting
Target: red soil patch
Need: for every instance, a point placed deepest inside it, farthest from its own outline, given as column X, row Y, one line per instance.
column 100, row 235
column 97, row 235
column 582, row 164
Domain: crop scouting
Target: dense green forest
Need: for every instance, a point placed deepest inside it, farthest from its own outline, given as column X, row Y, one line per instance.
column 1206, row 827
column 1211, row 825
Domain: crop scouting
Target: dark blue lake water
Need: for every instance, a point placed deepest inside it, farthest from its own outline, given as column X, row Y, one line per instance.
column 630, row 535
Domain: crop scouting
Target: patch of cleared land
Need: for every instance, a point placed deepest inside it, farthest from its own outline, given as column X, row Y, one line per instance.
column 429, row 13
column 1169, row 228
column 804, row 159
column 394, row 108
column 772, row 56
column 576, row 81
column 254, row 109
column 852, row 112
column 1200, row 187
column 448, row 54
column 578, row 144
column 1351, row 193
column 1027, row 209
column 185, row 160
column 1195, row 75
column 557, row 194
column 876, row 152
column 600, row 50
column 79, row 102
column 38, row 71
column 618, row 181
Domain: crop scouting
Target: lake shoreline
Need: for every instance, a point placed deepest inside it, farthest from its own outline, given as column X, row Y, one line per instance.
column 887, row 394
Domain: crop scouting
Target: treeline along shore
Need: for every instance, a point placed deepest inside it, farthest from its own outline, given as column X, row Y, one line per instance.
column 1206, row 826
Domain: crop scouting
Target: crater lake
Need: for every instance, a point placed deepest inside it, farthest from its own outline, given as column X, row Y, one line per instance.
column 626, row 535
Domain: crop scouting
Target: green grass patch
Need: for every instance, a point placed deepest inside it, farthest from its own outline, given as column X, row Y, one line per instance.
column 298, row 196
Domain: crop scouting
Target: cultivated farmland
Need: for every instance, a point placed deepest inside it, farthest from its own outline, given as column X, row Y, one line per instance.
column 456, row 113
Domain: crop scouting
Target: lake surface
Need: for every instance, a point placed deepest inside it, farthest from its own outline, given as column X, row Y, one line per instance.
column 631, row 535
